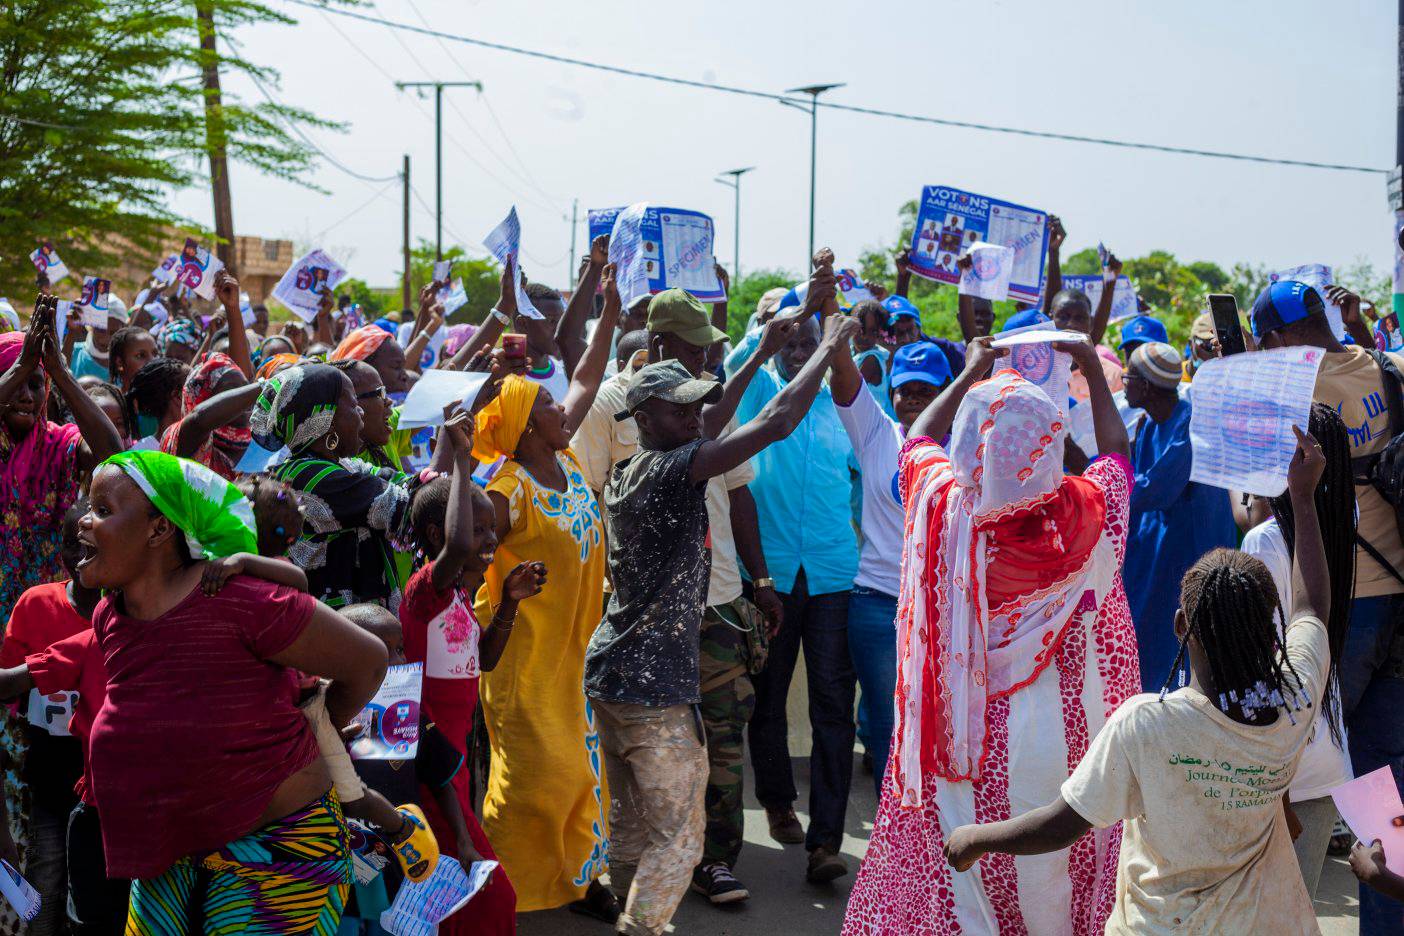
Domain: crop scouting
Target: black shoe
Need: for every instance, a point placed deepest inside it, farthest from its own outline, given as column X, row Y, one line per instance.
column 716, row 882
column 825, row 865
column 785, row 827
column 867, row 763
column 599, row 902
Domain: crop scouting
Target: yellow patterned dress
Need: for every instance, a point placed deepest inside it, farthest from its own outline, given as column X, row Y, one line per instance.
column 546, row 798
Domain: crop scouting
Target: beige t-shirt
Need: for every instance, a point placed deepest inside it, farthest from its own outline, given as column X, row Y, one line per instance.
column 602, row 441
column 1349, row 383
column 1205, row 847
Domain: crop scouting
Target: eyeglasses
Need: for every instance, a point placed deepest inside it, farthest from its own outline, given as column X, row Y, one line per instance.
column 377, row 394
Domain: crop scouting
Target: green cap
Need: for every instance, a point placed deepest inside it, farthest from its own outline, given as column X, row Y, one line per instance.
column 677, row 312
column 667, row 380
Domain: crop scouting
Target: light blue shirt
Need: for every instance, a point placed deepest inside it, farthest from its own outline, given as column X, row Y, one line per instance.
column 803, row 487
column 82, row 364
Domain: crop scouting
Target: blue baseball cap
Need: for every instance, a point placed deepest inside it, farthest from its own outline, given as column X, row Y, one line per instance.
column 1283, row 303
column 1140, row 329
column 899, row 307
column 787, row 301
column 920, row 360
column 1024, row 319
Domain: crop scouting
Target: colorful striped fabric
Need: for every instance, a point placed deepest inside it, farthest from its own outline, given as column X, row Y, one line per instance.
column 291, row 876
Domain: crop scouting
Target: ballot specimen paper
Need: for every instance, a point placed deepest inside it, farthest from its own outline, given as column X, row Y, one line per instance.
column 1244, row 408
column 420, row 906
column 505, row 243
column 988, row 274
column 1031, row 354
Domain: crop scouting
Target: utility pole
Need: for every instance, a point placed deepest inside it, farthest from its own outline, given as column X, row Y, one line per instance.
column 216, row 137
column 814, row 91
column 439, row 87
column 574, row 210
column 405, row 279
column 735, row 183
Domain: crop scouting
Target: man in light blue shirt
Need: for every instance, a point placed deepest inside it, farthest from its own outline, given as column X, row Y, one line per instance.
column 803, row 488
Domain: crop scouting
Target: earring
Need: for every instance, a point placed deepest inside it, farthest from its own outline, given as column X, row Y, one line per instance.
column 333, row 440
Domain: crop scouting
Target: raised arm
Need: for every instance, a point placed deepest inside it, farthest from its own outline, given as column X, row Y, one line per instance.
column 227, row 290
column 1355, row 324
column 719, row 318
column 585, row 383
column 219, row 410
column 845, row 381
column 778, row 418
column 31, row 352
column 1102, row 314
column 776, row 332
column 1106, row 420
column 935, row 421
column 1311, row 580
column 100, row 437
column 903, row 263
column 570, row 330
column 493, row 325
column 459, row 518
column 1056, row 236
column 414, row 351
column 965, row 305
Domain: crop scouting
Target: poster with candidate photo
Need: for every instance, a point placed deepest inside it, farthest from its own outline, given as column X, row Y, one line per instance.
column 949, row 221
column 676, row 249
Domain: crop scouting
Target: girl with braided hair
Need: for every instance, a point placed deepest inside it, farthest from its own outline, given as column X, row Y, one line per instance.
column 1198, row 774
column 153, row 400
column 1326, row 761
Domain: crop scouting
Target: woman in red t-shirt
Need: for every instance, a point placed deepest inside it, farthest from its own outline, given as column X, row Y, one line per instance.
column 207, row 777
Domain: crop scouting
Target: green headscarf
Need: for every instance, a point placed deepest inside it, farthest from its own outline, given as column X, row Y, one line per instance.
column 216, row 518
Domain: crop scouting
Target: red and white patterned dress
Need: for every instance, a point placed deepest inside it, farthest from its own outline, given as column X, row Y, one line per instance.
column 1013, row 742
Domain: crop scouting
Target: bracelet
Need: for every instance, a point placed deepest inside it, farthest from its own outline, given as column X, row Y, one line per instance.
column 501, row 316
column 506, row 625
column 760, row 583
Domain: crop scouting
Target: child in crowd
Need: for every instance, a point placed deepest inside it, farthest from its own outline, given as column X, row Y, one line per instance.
column 131, row 349
column 453, row 524
column 1197, row 775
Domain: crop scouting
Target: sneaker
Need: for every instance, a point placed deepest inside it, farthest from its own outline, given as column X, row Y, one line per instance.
column 785, row 827
column 716, row 882
column 825, row 865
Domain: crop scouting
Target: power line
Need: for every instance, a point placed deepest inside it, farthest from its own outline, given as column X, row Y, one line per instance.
column 870, row 111
column 321, row 152
column 379, row 194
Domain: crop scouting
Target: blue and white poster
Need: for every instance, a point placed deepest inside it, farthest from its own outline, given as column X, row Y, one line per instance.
column 677, row 249
column 949, row 221
column 1123, row 296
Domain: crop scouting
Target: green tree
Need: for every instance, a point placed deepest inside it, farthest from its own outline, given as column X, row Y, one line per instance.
column 102, row 115
column 741, row 304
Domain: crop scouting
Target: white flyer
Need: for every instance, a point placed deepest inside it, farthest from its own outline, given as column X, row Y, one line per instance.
column 198, row 268
column 443, row 269
column 505, row 243
column 165, row 273
column 988, row 275
column 420, row 906
column 627, row 254
column 1370, row 806
column 1244, row 408
column 46, row 260
column 1318, row 276
column 61, row 313
column 93, row 301
column 435, row 389
column 304, row 283
column 453, row 296
column 391, row 718
column 1031, row 354
column 19, row 892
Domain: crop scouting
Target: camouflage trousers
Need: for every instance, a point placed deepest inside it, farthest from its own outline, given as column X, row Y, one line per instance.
column 727, row 703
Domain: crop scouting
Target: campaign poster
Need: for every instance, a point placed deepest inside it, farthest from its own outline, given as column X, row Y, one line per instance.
column 677, row 249
column 46, row 260
column 305, row 282
column 391, row 718
column 949, row 221
column 198, row 268
column 92, row 302
column 1123, row 296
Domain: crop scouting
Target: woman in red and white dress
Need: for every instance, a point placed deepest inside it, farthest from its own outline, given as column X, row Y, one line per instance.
column 1014, row 645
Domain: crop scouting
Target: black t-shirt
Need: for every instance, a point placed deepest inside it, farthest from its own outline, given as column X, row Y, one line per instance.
column 645, row 650
column 434, row 764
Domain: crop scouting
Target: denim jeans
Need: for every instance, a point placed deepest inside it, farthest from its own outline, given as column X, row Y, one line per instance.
column 820, row 623
column 1371, row 699
column 872, row 643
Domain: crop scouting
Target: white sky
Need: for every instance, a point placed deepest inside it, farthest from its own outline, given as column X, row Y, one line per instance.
column 1283, row 78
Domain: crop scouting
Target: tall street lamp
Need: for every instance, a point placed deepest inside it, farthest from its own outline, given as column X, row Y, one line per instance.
column 813, row 91
column 735, row 183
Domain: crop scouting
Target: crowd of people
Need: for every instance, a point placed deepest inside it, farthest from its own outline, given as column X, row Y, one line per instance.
column 608, row 560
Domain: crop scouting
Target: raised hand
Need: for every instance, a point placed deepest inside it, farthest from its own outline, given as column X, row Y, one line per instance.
column 1056, row 233
column 723, row 277
column 459, row 426
column 1348, row 301
column 840, row 329
column 507, row 290
column 525, row 581
column 1306, row 467
column 227, row 290
column 599, row 250
column 608, row 285
column 980, row 357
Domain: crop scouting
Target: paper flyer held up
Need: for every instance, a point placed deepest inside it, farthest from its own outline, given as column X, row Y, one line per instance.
column 435, row 389
column 453, row 296
column 675, row 249
column 391, row 718
column 949, row 221
column 987, row 277
column 1123, row 294
column 1245, row 406
column 505, row 243
column 1370, row 805
column 306, row 281
column 198, row 268
column 92, row 302
column 1031, row 354
column 46, row 260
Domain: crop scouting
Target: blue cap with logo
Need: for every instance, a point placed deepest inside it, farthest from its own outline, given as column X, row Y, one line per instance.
column 920, row 360
column 1024, row 319
column 1141, row 329
column 1283, row 303
column 900, row 307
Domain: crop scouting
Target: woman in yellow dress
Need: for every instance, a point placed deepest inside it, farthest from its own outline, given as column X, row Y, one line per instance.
column 546, row 798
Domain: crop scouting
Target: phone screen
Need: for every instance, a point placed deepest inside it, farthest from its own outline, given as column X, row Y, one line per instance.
column 514, row 345
column 1224, row 309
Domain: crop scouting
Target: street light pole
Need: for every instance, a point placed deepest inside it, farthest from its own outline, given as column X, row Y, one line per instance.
column 814, row 91
column 439, row 87
column 735, row 183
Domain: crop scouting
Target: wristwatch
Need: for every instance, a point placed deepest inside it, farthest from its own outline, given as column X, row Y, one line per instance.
column 760, row 583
